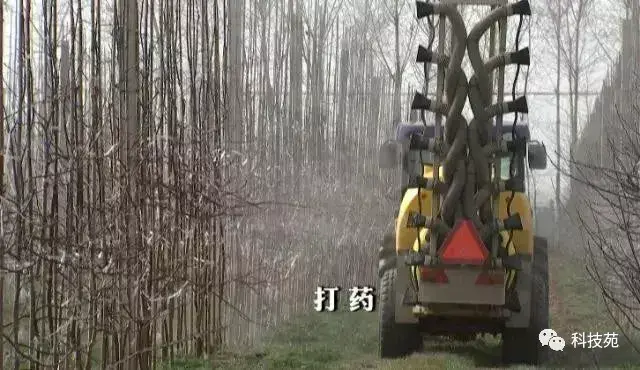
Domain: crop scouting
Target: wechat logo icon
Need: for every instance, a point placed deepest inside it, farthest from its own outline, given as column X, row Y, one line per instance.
column 550, row 337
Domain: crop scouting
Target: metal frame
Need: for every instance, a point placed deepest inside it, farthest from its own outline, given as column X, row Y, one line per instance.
column 435, row 205
column 458, row 201
column 499, row 120
column 501, row 29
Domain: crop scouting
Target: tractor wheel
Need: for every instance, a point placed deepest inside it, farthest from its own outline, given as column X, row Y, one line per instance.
column 396, row 340
column 521, row 345
column 387, row 253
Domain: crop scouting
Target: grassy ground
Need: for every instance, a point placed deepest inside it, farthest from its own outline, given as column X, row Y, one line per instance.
column 344, row 340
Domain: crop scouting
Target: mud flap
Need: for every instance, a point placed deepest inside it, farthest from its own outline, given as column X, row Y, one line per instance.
column 523, row 287
column 405, row 294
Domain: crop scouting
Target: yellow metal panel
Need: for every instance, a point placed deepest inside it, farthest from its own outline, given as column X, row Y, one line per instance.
column 406, row 237
column 522, row 239
column 511, row 250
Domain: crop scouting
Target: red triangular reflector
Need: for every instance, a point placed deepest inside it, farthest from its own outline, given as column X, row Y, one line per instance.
column 433, row 275
column 464, row 246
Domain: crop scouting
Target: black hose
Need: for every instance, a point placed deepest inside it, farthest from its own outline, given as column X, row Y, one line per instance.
column 414, row 279
column 514, row 136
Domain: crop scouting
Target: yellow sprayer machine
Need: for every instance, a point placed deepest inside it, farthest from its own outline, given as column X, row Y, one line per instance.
column 463, row 258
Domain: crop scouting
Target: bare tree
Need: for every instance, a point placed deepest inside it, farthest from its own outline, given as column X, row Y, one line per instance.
column 2, row 184
column 556, row 10
column 393, row 14
column 606, row 191
column 608, row 201
column 577, row 14
column 135, row 154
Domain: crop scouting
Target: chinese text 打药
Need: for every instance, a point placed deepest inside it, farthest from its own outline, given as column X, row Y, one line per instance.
column 360, row 298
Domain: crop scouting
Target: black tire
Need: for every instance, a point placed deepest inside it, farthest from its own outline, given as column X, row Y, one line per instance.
column 521, row 345
column 387, row 253
column 396, row 340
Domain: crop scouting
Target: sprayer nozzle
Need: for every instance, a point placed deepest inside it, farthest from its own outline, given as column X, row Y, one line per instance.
column 424, row 9
column 424, row 55
column 519, row 105
column 420, row 102
column 522, row 7
column 521, row 57
column 514, row 222
column 416, row 220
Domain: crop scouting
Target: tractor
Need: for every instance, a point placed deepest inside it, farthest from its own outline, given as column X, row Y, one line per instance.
column 461, row 258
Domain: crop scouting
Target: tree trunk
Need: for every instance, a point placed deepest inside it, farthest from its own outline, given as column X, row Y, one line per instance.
column 558, row 153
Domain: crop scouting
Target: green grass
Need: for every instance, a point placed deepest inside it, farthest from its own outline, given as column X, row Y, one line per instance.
column 344, row 340
column 577, row 306
column 191, row 364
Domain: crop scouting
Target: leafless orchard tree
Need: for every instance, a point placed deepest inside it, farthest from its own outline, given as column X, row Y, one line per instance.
column 609, row 196
column 576, row 15
column 393, row 15
column 605, row 195
column 555, row 13
column 581, row 41
column 114, row 248
column 181, row 176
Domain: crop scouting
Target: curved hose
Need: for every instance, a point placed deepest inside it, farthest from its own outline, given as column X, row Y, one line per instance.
column 479, row 158
column 519, row 57
column 480, row 89
column 455, row 131
column 456, row 89
column 468, row 177
column 473, row 43
column 452, row 199
column 479, row 134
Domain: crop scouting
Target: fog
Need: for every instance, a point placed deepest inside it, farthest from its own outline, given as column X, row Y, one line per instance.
column 180, row 176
